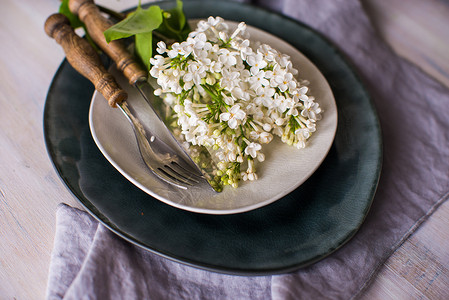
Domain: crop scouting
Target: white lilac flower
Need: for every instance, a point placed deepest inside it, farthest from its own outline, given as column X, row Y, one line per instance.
column 265, row 137
column 300, row 143
column 232, row 97
column 169, row 99
column 262, row 137
column 214, row 21
column 282, row 103
column 305, row 132
column 303, row 90
column 250, row 173
column 228, row 100
column 286, row 82
column 161, row 47
column 268, row 52
column 257, row 62
column 223, row 36
column 215, row 67
column 255, row 111
column 311, row 110
column 176, row 50
column 159, row 65
column 311, row 125
column 258, row 80
column 230, row 79
column 241, row 27
column 253, row 150
column 242, row 46
column 200, row 42
column 195, row 73
column 276, row 75
column 234, row 117
column 202, row 57
column 292, row 112
column 205, row 25
column 240, row 94
column 264, row 96
column 282, row 59
column 227, row 57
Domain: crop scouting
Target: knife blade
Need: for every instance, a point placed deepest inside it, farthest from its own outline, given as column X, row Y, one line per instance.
column 96, row 23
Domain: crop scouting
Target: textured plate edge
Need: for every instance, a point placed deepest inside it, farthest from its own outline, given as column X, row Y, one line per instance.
column 209, row 211
column 235, row 271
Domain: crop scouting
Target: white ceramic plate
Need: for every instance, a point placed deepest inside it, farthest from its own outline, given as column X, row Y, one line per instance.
column 284, row 169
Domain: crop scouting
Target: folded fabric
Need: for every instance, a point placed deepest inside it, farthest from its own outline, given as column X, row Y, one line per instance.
column 90, row 262
column 412, row 109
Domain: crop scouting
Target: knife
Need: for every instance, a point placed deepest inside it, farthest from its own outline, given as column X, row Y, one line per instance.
column 96, row 23
column 83, row 58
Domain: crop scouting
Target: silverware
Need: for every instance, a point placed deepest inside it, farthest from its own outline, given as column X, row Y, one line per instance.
column 96, row 23
column 160, row 159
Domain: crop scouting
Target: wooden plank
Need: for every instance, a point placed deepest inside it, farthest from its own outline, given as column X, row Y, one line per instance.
column 419, row 268
column 389, row 286
column 30, row 188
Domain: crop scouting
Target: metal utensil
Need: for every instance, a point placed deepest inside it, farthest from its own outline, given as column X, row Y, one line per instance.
column 96, row 23
column 159, row 158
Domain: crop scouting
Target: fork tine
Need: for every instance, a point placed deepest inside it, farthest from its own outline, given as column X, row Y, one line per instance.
column 168, row 172
column 187, row 178
column 183, row 170
column 161, row 174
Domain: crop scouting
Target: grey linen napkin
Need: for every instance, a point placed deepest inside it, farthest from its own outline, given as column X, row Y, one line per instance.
column 90, row 262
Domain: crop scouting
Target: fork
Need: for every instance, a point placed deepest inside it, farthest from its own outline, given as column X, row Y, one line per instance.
column 158, row 157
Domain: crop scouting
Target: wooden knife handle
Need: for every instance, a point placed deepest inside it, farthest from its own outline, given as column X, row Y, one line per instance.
column 96, row 24
column 83, row 58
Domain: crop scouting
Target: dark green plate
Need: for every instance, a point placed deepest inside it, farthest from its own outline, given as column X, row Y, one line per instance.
column 297, row 230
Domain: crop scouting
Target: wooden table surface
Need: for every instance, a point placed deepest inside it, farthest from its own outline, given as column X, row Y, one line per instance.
column 30, row 189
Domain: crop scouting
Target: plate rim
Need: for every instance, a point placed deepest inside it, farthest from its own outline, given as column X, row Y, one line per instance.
column 98, row 101
column 198, row 264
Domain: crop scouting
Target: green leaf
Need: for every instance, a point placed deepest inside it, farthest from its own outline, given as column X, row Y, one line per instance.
column 177, row 19
column 142, row 22
column 74, row 20
column 144, row 47
column 174, row 25
column 138, row 22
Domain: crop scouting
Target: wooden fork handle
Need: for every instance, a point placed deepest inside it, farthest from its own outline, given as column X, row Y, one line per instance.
column 96, row 24
column 83, row 58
